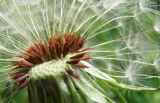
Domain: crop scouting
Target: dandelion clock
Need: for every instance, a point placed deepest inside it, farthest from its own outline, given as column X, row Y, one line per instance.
column 79, row 51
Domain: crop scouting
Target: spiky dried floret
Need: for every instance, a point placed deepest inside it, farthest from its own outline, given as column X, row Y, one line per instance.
column 56, row 48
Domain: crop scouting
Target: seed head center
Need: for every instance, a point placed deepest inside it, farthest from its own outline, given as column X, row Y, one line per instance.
column 50, row 59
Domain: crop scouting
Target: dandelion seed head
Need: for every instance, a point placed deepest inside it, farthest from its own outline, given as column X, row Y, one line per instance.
column 51, row 57
column 138, row 42
column 44, row 47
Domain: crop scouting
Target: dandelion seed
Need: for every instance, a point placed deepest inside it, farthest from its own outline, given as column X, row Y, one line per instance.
column 73, row 51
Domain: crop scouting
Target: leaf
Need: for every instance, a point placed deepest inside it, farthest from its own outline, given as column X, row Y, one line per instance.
column 90, row 91
column 99, row 74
